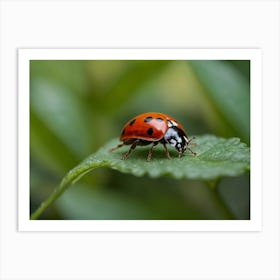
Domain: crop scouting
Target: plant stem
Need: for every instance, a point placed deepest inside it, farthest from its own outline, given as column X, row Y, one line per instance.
column 50, row 200
column 71, row 177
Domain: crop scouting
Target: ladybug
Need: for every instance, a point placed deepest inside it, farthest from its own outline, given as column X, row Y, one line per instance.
column 153, row 128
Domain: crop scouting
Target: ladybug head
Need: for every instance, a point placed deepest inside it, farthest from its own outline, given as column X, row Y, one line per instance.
column 177, row 139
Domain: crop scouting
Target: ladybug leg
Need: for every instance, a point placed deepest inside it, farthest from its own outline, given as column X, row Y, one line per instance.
column 166, row 151
column 193, row 153
column 132, row 147
column 149, row 157
column 117, row 147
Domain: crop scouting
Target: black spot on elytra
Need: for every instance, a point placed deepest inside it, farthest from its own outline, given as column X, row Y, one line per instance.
column 123, row 132
column 148, row 119
column 132, row 122
column 159, row 119
column 150, row 131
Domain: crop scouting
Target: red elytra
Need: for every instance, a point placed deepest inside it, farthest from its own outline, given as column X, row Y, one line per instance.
column 153, row 128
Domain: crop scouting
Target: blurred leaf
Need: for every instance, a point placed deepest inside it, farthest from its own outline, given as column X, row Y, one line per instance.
column 235, row 192
column 243, row 66
column 97, row 204
column 216, row 157
column 72, row 74
column 63, row 113
column 103, row 75
column 163, row 202
column 49, row 149
column 134, row 78
column 229, row 91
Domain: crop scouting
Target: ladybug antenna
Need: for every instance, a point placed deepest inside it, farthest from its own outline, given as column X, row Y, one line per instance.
column 186, row 146
column 192, row 144
column 191, row 139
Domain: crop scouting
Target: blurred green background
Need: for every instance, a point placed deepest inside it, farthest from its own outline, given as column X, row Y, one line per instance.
column 77, row 106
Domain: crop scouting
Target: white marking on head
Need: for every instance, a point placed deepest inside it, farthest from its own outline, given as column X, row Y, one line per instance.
column 171, row 123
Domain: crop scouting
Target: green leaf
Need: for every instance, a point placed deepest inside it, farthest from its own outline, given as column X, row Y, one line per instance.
column 229, row 90
column 216, row 157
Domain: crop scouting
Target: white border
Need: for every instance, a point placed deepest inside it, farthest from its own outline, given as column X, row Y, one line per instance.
column 254, row 55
